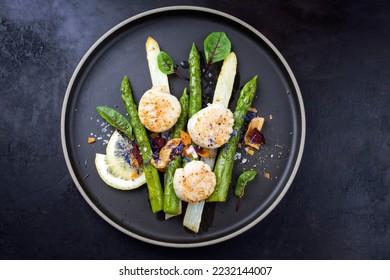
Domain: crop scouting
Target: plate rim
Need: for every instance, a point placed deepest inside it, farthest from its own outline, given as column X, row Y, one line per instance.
column 301, row 143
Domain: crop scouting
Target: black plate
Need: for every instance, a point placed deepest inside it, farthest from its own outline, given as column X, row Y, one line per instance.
column 121, row 51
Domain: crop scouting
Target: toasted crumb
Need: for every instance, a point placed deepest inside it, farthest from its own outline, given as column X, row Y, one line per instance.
column 91, row 140
column 270, row 116
column 251, row 109
column 249, row 151
column 266, row 175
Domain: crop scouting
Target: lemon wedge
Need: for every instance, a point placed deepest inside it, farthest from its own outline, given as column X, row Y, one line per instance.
column 117, row 144
column 114, row 168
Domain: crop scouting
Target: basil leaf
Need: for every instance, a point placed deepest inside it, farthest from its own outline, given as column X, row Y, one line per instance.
column 117, row 120
column 242, row 180
column 165, row 63
column 217, row 47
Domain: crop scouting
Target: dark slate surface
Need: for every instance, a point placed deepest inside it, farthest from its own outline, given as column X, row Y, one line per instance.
column 338, row 206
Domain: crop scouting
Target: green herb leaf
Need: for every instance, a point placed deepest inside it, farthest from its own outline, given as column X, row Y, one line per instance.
column 217, row 46
column 165, row 63
column 117, row 120
column 242, row 180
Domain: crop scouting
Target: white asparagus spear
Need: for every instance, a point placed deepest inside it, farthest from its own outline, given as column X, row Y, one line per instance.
column 222, row 95
column 158, row 78
column 224, row 88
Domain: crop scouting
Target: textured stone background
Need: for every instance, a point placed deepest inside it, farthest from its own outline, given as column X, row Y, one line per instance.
column 338, row 206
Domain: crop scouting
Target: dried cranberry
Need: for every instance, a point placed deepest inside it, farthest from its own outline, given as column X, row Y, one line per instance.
column 256, row 137
column 159, row 142
column 136, row 153
column 197, row 149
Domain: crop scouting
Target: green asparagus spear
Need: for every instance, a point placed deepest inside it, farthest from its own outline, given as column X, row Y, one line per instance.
column 182, row 121
column 152, row 177
column 171, row 202
column 225, row 160
column 194, row 210
column 195, row 82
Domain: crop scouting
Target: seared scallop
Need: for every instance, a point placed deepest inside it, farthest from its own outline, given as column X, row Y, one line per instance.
column 195, row 182
column 212, row 126
column 158, row 110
